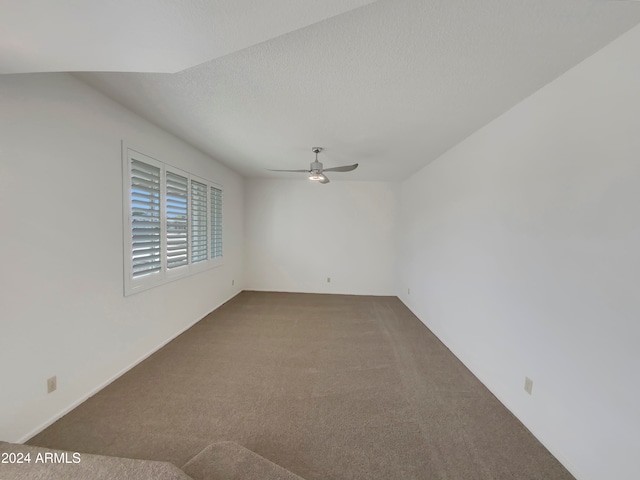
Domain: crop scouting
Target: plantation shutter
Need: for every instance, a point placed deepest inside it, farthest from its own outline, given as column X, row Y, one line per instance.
column 177, row 223
column 145, row 219
column 216, row 222
column 198, row 222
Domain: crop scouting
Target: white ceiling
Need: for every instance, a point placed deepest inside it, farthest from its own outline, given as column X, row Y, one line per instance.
column 392, row 84
column 144, row 35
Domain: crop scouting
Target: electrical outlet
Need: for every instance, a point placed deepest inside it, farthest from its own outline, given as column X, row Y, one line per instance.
column 52, row 384
column 328, row 279
column 528, row 385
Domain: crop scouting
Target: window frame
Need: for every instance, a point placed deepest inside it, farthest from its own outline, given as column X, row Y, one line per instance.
column 137, row 284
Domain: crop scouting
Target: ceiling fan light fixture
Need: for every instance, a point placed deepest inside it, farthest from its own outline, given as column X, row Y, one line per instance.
column 316, row 169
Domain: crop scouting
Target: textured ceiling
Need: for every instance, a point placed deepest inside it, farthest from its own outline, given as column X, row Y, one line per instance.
column 391, row 85
column 144, row 35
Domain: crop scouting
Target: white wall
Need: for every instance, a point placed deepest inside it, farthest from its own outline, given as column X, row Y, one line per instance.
column 61, row 278
column 298, row 233
column 521, row 247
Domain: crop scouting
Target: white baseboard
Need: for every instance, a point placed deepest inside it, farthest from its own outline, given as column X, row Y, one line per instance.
column 270, row 290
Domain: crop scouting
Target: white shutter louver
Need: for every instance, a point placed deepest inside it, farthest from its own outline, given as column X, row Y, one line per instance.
column 198, row 222
column 177, row 223
column 216, row 222
column 145, row 219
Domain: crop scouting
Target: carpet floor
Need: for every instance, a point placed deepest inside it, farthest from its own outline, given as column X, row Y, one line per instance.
column 327, row 386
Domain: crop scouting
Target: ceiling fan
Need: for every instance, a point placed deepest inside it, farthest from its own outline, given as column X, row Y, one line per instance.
column 316, row 171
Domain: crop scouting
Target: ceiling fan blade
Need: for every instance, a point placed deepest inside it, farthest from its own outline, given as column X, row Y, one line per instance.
column 345, row 168
column 296, row 171
column 325, row 179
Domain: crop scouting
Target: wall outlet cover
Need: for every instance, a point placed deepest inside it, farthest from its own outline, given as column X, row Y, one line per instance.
column 528, row 385
column 52, row 384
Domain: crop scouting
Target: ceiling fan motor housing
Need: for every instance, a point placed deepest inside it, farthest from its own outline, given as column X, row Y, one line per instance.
column 316, row 166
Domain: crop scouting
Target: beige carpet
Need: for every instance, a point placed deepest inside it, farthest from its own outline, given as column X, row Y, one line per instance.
column 328, row 386
column 83, row 467
column 230, row 461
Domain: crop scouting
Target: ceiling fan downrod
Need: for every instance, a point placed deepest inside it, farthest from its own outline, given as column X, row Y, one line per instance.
column 316, row 167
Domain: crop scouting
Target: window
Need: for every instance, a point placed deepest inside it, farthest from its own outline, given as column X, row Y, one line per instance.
column 173, row 222
column 177, row 225
column 145, row 219
column 198, row 221
column 216, row 222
